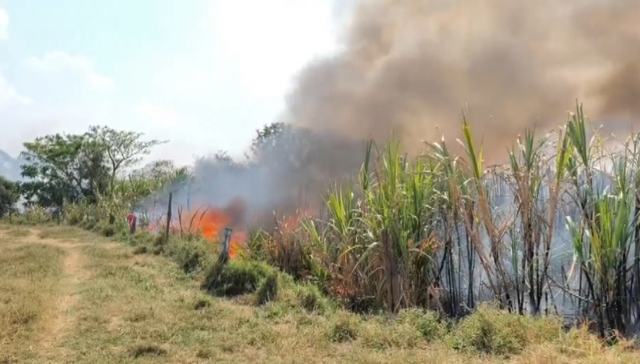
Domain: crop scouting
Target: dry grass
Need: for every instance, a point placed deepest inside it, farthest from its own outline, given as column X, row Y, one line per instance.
column 120, row 307
column 28, row 277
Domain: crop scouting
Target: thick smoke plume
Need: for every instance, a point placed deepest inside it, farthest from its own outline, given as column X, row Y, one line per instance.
column 412, row 66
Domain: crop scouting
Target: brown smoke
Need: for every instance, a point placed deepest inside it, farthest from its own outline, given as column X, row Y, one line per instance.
column 412, row 66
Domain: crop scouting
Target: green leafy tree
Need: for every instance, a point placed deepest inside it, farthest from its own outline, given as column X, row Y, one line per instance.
column 63, row 167
column 122, row 149
column 8, row 195
column 80, row 167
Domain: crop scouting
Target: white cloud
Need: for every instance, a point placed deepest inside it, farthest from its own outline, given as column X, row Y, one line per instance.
column 157, row 114
column 4, row 24
column 10, row 96
column 58, row 61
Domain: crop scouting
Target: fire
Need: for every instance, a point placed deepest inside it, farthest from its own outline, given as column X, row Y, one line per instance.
column 290, row 223
column 210, row 222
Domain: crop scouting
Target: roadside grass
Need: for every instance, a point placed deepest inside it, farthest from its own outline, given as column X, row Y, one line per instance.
column 28, row 276
column 65, row 232
column 15, row 231
column 137, row 307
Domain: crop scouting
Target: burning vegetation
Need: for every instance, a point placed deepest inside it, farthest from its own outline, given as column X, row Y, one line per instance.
column 553, row 228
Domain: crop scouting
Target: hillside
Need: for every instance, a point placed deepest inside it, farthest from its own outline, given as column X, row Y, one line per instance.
column 9, row 166
column 70, row 296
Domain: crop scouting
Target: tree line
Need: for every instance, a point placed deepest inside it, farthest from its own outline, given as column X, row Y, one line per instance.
column 72, row 168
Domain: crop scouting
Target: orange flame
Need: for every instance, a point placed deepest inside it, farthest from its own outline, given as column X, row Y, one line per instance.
column 210, row 222
column 290, row 223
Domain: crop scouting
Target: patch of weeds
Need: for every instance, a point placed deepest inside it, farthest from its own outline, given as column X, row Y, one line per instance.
column 343, row 328
column 261, row 335
column 160, row 239
column 191, row 256
column 147, row 350
column 125, row 273
column 158, row 250
column 273, row 310
column 141, row 249
column 202, row 302
column 140, row 238
column 18, row 232
column 236, row 278
column 89, row 224
column 305, row 296
column 311, row 299
column 382, row 334
column 268, row 288
column 304, row 320
column 492, row 331
column 105, row 229
column 428, row 323
column 204, row 353
column 140, row 316
column 24, row 316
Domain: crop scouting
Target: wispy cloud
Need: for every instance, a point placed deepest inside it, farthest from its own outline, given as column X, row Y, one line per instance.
column 4, row 24
column 58, row 61
column 10, row 96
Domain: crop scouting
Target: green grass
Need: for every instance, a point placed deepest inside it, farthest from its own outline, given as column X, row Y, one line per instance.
column 144, row 308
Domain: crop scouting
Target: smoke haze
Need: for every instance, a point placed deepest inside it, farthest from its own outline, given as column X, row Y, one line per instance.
column 412, row 66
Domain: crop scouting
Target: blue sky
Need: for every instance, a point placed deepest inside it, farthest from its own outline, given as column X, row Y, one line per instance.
column 203, row 74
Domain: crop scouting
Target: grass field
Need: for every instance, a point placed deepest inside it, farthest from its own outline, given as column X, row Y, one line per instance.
column 67, row 295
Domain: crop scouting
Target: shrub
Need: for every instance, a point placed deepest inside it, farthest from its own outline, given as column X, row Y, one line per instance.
column 493, row 331
column 343, row 328
column 428, row 323
column 236, row 277
column 268, row 288
column 142, row 249
column 191, row 256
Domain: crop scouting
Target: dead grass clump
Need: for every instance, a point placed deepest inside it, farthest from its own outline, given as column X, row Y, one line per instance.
column 428, row 323
column 147, row 350
column 17, row 232
column 493, row 331
column 343, row 327
column 377, row 334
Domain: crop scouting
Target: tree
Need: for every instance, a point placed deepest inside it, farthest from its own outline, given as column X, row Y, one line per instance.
column 63, row 167
column 8, row 195
column 285, row 148
column 85, row 167
column 123, row 149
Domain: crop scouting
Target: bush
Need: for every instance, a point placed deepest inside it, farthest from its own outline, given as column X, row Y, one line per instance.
column 88, row 224
column 105, row 229
column 108, row 230
column 268, row 289
column 142, row 238
column 428, row 323
column 236, row 278
column 191, row 256
column 141, row 249
column 492, row 331
column 343, row 328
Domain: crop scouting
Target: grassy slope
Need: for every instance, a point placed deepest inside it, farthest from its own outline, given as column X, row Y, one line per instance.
column 69, row 296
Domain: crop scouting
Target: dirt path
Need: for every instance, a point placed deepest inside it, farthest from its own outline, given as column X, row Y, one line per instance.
column 61, row 317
